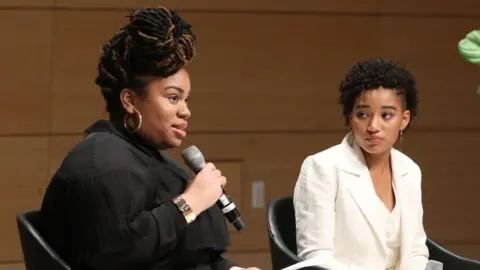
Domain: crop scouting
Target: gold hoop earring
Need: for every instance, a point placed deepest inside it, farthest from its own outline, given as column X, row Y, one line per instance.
column 139, row 116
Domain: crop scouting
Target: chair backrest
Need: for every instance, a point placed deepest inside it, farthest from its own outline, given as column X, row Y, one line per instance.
column 282, row 233
column 283, row 247
column 449, row 259
column 37, row 254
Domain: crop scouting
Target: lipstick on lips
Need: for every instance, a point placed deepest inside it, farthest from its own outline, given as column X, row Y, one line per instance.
column 179, row 129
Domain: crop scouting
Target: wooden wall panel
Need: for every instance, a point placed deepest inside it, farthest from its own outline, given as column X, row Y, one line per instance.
column 15, row 266
column 78, row 39
column 283, row 84
column 25, row 71
column 408, row 7
column 447, row 83
column 449, row 162
column 258, row 125
column 275, row 80
column 24, row 169
column 26, row 3
column 272, row 72
column 430, row 7
column 222, row 6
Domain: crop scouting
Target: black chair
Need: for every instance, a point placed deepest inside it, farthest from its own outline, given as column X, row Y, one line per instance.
column 449, row 259
column 282, row 236
column 283, row 246
column 37, row 254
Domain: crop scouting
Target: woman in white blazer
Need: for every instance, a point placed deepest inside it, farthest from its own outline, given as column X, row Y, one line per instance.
column 358, row 204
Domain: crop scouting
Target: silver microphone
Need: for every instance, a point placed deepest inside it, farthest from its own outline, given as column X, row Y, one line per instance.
column 434, row 265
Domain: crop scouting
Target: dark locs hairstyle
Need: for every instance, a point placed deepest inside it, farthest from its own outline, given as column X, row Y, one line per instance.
column 375, row 73
column 155, row 42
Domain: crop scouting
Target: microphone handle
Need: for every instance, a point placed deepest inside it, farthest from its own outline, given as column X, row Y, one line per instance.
column 228, row 208
column 230, row 211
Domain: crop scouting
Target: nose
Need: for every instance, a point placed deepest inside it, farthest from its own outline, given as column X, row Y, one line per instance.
column 373, row 125
column 184, row 113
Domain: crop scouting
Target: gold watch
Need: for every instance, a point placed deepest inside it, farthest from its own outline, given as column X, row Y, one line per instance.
column 185, row 209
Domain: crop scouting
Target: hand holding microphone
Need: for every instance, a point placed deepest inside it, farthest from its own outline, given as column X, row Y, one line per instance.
column 210, row 186
column 205, row 189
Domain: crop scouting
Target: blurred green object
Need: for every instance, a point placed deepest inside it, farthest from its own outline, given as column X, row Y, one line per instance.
column 469, row 48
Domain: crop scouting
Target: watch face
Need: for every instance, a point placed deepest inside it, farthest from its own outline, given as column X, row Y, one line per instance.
column 185, row 209
column 182, row 205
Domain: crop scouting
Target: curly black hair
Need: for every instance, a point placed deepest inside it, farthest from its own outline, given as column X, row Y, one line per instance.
column 375, row 73
column 155, row 42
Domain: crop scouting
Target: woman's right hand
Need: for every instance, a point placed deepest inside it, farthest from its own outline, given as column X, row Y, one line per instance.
column 205, row 189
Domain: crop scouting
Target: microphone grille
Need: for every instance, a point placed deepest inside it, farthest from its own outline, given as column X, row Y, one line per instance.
column 193, row 158
column 434, row 265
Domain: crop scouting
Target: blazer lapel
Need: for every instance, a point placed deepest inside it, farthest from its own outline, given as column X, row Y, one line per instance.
column 364, row 196
column 400, row 173
column 361, row 187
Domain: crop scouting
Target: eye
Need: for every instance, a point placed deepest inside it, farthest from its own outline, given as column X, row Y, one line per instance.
column 362, row 115
column 387, row 115
column 173, row 98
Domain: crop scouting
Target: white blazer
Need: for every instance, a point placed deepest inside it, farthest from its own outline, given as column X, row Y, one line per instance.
column 336, row 213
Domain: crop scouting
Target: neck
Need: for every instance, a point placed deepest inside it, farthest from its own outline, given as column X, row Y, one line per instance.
column 136, row 137
column 377, row 161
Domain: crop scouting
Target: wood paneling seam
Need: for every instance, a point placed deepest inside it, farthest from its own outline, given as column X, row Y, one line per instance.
column 258, row 12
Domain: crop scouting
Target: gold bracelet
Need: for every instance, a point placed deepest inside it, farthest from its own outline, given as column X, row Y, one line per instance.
column 185, row 209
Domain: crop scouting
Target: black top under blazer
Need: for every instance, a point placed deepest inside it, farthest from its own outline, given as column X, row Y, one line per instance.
column 108, row 207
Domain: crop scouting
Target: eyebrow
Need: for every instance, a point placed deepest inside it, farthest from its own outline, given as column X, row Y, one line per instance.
column 364, row 106
column 179, row 89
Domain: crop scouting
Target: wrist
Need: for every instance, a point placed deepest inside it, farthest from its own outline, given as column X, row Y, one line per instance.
column 192, row 201
column 185, row 209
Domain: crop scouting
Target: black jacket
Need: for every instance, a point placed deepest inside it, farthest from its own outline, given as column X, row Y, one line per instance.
column 108, row 207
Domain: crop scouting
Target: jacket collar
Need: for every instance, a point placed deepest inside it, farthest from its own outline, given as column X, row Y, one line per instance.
column 137, row 141
column 119, row 130
column 362, row 191
column 356, row 163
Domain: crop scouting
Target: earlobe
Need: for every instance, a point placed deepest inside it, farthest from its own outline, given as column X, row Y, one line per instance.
column 405, row 119
column 404, row 123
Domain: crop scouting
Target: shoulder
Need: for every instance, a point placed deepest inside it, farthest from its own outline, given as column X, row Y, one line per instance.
column 406, row 163
column 327, row 158
column 317, row 177
column 409, row 171
column 321, row 166
column 103, row 155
